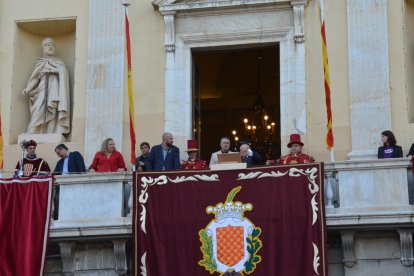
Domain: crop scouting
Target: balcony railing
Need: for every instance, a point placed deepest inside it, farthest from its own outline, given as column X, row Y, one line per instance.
column 369, row 192
column 93, row 204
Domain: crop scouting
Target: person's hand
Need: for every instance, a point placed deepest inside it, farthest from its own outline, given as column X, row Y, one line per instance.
column 140, row 169
column 120, row 170
column 91, row 170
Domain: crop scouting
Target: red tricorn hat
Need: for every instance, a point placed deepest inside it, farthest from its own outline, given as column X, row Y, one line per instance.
column 192, row 145
column 295, row 139
column 31, row 143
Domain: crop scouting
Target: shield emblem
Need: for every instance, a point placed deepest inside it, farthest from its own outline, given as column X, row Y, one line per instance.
column 27, row 169
column 230, row 245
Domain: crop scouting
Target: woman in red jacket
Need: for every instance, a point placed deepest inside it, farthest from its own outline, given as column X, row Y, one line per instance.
column 108, row 159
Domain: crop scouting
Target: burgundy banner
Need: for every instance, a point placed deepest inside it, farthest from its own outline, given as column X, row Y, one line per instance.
column 259, row 221
column 25, row 211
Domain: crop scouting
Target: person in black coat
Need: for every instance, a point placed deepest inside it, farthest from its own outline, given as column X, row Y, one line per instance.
column 164, row 157
column 389, row 148
column 411, row 152
column 69, row 163
column 250, row 157
column 74, row 164
column 143, row 159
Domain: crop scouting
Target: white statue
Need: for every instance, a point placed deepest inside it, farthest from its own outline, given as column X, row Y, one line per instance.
column 48, row 93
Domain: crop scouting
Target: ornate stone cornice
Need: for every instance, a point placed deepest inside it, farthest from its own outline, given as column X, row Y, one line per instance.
column 181, row 5
column 169, row 8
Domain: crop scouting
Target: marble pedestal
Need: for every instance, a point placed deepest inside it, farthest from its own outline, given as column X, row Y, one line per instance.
column 46, row 138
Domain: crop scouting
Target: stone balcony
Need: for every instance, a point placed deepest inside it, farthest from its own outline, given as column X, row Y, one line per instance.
column 371, row 197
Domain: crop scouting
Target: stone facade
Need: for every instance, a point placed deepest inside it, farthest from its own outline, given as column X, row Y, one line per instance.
column 369, row 202
column 369, row 221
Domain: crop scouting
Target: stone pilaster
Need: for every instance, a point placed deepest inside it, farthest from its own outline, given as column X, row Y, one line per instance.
column 368, row 75
column 106, row 75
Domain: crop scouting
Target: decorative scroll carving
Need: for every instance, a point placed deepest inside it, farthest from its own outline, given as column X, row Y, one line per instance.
column 120, row 257
column 348, row 246
column 406, row 241
column 67, row 257
column 299, row 19
column 169, row 38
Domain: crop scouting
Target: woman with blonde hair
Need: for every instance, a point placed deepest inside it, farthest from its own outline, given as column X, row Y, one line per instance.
column 108, row 159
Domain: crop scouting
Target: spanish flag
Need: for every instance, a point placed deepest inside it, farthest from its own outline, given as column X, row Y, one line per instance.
column 329, row 134
column 130, row 92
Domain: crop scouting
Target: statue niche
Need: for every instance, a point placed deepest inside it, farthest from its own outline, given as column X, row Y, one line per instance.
column 48, row 93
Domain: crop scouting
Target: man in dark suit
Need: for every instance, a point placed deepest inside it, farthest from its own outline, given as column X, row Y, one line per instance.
column 164, row 157
column 250, row 157
column 70, row 162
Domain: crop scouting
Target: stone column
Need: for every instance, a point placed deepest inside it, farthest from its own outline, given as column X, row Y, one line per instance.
column 178, row 94
column 106, row 75
column 368, row 75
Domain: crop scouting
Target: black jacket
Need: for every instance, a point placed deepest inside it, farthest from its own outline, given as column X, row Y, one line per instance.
column 75, row 164
column 411, row 152
column 396, row 153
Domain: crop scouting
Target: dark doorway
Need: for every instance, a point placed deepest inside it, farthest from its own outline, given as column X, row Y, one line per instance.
column 230, row 86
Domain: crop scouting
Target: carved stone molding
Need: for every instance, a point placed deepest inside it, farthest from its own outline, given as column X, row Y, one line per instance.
column 348, row 247
column 67, row 250
column 406, row 243
column 120, row 257
column 299, row 19
column 169, row 36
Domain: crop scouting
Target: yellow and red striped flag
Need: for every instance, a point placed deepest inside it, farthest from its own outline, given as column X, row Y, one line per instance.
column 329, row 134
column 130, row 92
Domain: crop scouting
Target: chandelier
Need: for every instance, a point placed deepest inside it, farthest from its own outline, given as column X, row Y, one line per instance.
column 259, row 129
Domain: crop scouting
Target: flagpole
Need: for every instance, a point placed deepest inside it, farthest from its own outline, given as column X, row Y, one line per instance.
column 1, row 149
column 327, row 83
column 126, row 4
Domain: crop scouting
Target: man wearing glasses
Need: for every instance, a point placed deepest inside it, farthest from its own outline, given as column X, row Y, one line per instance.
column 70, row 162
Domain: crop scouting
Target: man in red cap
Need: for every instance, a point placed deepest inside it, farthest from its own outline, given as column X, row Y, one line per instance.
column 295, row 156
column 31, row 165
column 193, row 162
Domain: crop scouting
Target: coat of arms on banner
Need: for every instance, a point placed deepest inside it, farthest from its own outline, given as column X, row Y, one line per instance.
column 230, row 241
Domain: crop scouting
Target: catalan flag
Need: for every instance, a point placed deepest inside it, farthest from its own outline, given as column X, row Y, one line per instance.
column 130, row 92
column 329, row 134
